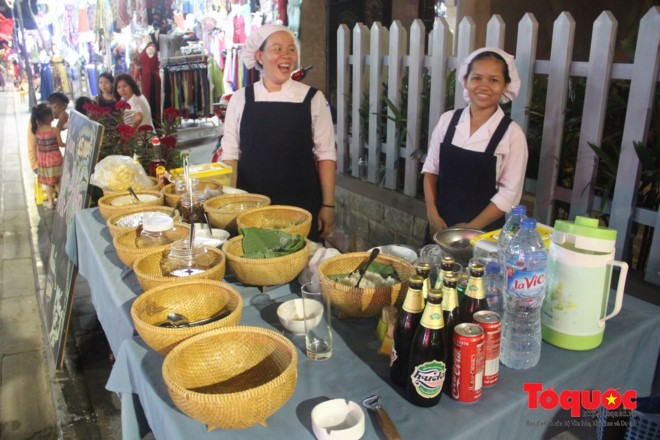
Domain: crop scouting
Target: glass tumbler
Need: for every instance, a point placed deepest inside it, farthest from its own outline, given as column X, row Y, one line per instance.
column 318, row 322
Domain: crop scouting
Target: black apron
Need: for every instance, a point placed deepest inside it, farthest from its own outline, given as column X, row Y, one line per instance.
column 277, row 154
column 467, row 180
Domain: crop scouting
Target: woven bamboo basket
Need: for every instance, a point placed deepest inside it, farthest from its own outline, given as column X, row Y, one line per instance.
column 281, row 217
column 108, row 210
column 172, row 198
column 128, row 252
column 266, row 271
column 115, row 229
column 233, row 377
column 364, row 302
column 154, row 187
column 223, row 210
column 149, row 275
column 194, row 299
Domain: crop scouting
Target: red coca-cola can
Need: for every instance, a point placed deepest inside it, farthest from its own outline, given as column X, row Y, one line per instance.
column 468, row 369
column 492, row 325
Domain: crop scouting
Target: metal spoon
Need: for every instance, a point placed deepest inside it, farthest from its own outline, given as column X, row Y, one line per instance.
column 192, row 235
column 208, row 223
column 372, row 257
column 384, row 421
column 177, row 320
column 137, row 199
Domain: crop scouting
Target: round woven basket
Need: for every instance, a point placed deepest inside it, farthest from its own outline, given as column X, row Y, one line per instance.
column 263, row 271
column 223, row 210
column 108, row 210
column 233, row 377
column 194, row 299
column 128, row 252
column 149, row 275
column 113, row 220
column 154, row 187
column 172, row 198
column 364, row 302
column 281, row 217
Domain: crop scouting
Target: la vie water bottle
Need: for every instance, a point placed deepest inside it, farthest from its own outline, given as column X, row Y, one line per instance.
column 526, row 259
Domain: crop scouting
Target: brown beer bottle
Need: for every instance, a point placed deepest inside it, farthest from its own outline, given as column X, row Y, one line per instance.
column 475, row 294
column 450, row 315
column 423, row 269
column 404, row 330
column 428, row 355
column 446, row 266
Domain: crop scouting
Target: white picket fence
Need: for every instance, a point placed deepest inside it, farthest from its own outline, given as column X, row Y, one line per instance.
column 378, row 55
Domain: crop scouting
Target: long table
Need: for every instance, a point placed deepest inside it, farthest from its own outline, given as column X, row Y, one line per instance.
column 625, row 360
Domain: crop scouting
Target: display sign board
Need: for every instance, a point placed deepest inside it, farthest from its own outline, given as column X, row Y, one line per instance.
column 83, row 142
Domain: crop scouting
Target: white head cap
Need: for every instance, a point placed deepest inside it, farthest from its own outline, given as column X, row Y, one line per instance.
column 256, row 39
column 514, row 85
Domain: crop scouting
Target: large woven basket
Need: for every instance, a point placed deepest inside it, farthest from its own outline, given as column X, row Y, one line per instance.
column 149, row 275
column 155, row 186
column 233, row 377
column 128, row 252
column 223, row 210
column 115, row 229
column 172, row 198
column 364, row 302
column 108, row 210
column 265, row 271
column 194, row 299
column 281, row 217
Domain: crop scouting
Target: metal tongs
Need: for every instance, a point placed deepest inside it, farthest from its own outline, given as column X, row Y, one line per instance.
column 135, row 196
column 362, row 269
column 384, row 421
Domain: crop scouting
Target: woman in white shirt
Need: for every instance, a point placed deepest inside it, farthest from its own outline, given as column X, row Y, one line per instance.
column 278, row 133
column 475, row 167
column 126, row 89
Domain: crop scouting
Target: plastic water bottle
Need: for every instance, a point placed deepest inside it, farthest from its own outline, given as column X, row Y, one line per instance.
column 526, row 259
column 509, row 230
column 493, row 286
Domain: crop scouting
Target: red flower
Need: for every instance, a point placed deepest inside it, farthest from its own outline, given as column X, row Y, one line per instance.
column 169, row 142
column 122, row 105
column 126, row 132
column 171, row 114
column 145, row 128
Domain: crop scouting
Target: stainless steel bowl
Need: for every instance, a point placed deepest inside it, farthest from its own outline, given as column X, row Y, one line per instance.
column 456, row 242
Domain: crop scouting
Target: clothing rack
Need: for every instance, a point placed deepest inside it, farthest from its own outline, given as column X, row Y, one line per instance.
column 186, row 85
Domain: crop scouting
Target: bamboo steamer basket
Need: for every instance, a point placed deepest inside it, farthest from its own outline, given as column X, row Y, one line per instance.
column 113, row 221
column 128, row 252
column 263, row 271
column 194, row 299
column 107, row 209
column 172, row 198
column 364, row 302
column 154, row 187
column 149, row 275
column 280, row 217
column 233, row 377
column 223, row 210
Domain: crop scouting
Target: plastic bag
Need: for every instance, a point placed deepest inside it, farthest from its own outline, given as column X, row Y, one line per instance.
column 117, row 173
column 311, row 271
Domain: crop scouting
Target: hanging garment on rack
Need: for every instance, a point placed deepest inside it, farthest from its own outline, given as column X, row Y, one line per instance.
column 93, row 80
column 70, row 24
column 150, row 83
column 60, row 78
column 187, row 88
column 216, row 79
column 46, row 87
column 280, row 8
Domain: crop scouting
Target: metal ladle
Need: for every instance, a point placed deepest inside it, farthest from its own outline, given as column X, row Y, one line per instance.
column 363, row 270
column 384, row 421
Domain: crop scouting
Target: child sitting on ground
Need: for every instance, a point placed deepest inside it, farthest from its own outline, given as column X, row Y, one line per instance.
column 46, row 147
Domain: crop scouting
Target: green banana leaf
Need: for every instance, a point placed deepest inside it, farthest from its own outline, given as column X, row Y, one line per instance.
column 384, row 270
column 268, row 243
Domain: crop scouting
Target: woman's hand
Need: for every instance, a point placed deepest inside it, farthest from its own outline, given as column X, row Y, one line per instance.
column 326, row 221
column 436, row 223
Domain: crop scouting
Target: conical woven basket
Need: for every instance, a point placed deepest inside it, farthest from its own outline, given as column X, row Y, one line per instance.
column 233, row 377
column 364, row 302
column 149, row 275
column 172, row 198
column 108, row 210
column 280, row 217
column 194, row 299
column 264, row 271
column 223, row 210
column 115, row 229
column 126, row 243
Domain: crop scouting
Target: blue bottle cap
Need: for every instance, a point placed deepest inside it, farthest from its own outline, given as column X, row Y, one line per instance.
column 519, row 210
column 493, row 267
column 528, row 223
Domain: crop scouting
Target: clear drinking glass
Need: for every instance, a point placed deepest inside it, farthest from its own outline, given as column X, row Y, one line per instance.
column 318, row 332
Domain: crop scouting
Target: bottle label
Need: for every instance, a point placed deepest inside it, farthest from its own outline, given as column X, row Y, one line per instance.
column 393, row 355
column 428, row 378
column 526, row 283
column 475, row 288
column 414, row 302
column 449, row 299
column 432, row 318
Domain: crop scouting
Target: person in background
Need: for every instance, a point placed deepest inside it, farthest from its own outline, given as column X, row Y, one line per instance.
column 475, row 167
column 2, row 77
column 58, row 103
column 126, row 89
column 23, row 89
column 106, row 96
column 45, row 145
column 278, row 134
column 80, row 104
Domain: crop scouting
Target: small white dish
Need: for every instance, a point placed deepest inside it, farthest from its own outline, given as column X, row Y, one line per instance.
column 399, row 251
column 338, row 419
column 292, row 316
column 216, row 237
column 232, row 190
column 129, row 200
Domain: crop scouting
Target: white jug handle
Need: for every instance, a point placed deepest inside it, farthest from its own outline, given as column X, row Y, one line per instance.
column 619, row 290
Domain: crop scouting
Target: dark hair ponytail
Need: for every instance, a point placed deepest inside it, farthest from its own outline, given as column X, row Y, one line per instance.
column 40, row 113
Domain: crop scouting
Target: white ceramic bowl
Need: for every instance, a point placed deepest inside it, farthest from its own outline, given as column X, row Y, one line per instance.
column 216, row 237
column 399, row 251
column 338, row 419
column 292, row 317
column 129, row 200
